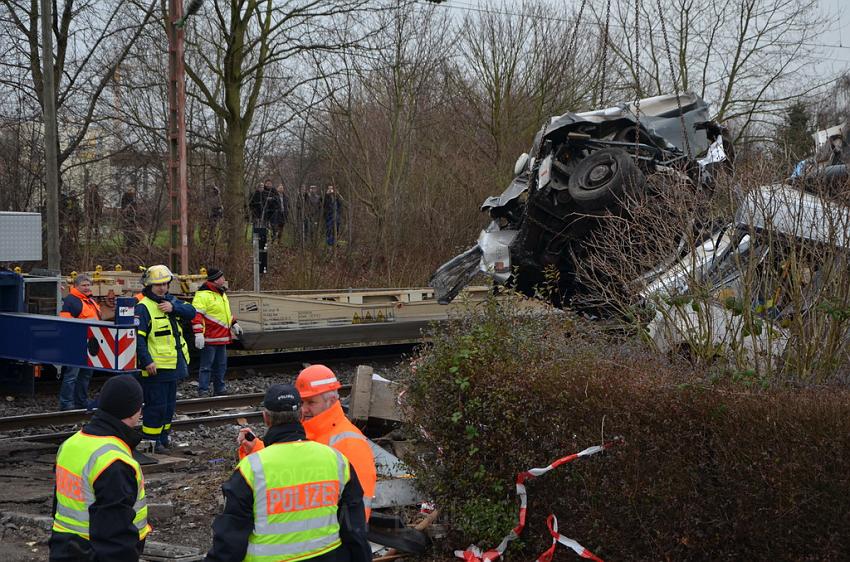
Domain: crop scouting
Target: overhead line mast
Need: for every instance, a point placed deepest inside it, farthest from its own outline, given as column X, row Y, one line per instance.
column 177, row 189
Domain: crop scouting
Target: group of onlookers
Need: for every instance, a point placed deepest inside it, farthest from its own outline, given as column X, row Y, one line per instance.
column 270, row 209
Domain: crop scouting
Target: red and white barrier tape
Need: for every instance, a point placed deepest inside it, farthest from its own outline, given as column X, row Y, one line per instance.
column 474, row 554
column 552, row 523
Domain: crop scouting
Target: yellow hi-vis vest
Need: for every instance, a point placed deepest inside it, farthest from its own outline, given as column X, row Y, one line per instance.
column 297, row 486
column 161, row 341
column 218, row 318
column 79, row 462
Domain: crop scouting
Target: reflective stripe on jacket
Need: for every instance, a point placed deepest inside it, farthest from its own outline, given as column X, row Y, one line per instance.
column 87, row 305
column 332, row 428
column 296, row 488
column 79, row 462
column 214, row 317
column 161, row 341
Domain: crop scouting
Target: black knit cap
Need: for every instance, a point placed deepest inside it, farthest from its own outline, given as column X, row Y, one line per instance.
column 282, row 398
column 213, row 274
column 121, row 396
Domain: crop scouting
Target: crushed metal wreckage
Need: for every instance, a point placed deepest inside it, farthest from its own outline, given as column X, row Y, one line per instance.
column 374, row 401
column 744, row 265
column 580, row 168
column 827, row 167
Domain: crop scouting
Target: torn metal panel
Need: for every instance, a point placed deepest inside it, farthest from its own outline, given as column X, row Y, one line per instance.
column 720, row 265
column 396, row 492
column 387, row 465
column 396, row 485
column 786, row 210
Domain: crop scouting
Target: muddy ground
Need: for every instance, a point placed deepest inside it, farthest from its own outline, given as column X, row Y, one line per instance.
column 184, row 491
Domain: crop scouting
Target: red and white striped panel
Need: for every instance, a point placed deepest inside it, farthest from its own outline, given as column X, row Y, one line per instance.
column 106, row 356
column 127, row 350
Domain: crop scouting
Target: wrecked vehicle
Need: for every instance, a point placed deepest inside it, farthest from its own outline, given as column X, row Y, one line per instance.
column 827, row 167
column 738, row 292
column 580, row 169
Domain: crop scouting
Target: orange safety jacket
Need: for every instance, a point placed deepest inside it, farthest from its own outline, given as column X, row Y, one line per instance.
column 331, row 427
column 90, row 310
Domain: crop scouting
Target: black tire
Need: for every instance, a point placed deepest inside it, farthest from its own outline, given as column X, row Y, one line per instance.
column 602, row 179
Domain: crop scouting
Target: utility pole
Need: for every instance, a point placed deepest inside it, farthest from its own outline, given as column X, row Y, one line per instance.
column 178, row 193
column 48, row 99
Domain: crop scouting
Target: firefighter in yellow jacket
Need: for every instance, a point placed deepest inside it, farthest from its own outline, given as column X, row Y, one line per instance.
column 99, row 509
column 214, row 327
column 161, row 352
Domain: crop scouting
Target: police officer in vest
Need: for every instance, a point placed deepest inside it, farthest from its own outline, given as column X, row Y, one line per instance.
column 324, row 422
column 161, row 352
column 99, row 504
column 293, row 500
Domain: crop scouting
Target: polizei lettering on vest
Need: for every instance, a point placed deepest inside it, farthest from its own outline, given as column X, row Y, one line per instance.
column 69, row 484
column 302, row 496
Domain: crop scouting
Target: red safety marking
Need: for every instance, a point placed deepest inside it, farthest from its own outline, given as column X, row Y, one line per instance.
column 106, row 353
column 552, row 523
column 127, row 350
column 105, row 356
column 474, row 554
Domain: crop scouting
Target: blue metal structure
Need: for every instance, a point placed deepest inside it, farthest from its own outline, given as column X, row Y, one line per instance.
column 32, row 339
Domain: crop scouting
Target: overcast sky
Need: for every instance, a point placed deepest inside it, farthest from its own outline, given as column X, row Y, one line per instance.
column 834, row 40
column 838, row 56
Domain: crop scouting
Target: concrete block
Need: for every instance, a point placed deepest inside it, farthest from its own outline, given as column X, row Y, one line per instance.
column 160, row 511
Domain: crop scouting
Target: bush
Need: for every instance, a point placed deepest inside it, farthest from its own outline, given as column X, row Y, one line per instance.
column 709, row 470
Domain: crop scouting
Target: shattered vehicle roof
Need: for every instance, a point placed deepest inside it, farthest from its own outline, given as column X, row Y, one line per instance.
column 659, row 115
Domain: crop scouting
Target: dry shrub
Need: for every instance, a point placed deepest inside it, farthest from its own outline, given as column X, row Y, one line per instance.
column 769, row 302
column 707, row 471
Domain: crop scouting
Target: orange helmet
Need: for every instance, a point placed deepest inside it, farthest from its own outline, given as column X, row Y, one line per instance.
column 316, row 379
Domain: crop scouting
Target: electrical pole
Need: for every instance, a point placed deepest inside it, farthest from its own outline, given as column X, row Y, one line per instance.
column 178, row 193
column 48, row 99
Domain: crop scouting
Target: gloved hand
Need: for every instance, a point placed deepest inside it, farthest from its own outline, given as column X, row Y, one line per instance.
column 199, row 341
column 236, row 329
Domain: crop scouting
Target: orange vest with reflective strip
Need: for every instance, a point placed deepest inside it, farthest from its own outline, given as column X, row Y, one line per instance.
column 90, row 307
column 332, row 428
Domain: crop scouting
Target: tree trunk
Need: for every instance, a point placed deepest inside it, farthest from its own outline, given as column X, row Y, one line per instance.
column 237, row 261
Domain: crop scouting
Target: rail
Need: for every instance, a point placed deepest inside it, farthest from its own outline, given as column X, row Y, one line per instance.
column 218, row 419
column 184, row 407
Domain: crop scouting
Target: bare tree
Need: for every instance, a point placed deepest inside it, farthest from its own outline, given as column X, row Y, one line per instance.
column 746, row 57
column 244, row 59
column 514, row 71
column 380, row 103
column 91, row 40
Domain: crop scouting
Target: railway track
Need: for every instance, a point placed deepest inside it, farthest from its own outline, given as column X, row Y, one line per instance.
column 212, row 420
column 215, row 406
column 184, row 407
column 241, row 365
column 53, row 426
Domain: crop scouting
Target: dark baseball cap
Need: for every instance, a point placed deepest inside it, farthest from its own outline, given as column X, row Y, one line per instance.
column 282, row 398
